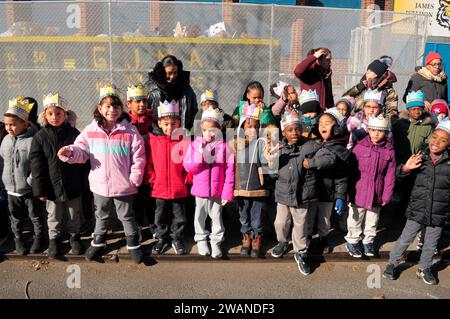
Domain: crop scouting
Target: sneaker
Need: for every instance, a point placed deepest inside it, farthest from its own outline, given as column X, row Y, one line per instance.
column 369, row 251
column 53, row 248
column 21, row 249
column 391, row 272
column 353, row 250
column 76, row 245
column 38, row 245
column 178, row 246
column 203, row 249
column 280, row 249
column 427, row 276
column 216, row 252
column 160, row 246
column 302, row 263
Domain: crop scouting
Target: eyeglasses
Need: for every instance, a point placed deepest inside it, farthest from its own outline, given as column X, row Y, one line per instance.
column 372, row 107
column 436, row 65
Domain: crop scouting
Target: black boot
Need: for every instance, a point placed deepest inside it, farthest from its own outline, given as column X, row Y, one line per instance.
column 38, row 245
column 134, row 247
column 75, row 244
column 21, row 249
column 54, row 248
column 98, row 244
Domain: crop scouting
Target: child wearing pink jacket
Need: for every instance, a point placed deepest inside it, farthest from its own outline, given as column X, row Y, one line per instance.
column 212, row 165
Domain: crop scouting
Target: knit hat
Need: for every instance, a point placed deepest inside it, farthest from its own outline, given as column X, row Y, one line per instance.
column 54, row 100
column 288, row 118
column 386, row 59
column 212, row 114
column 309, row 101
column 439, row 106
column 378, row 67
column 334, row 112
column 208, row 95
column 136, row 92
column 350, row 101
column 19, row 107
column 415, row 99
column 374, row 96
column 379, row 122
column 444, row 125
column 168, row 108
column 432, row 56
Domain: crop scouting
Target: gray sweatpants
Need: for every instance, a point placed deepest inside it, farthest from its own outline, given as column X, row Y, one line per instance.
column 323, row 212
column 22, row 207
column 409, row 233
column 211, row 207
column 58, row 211
column 124, row 210
column 283, row 221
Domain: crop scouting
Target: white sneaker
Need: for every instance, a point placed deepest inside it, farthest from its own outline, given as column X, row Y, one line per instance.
column 216, row 251
column 203, row 248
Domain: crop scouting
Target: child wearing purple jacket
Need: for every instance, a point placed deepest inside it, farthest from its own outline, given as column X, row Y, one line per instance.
column 373, row 186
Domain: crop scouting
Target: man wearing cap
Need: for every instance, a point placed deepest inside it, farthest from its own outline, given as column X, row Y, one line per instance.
column 430, row 79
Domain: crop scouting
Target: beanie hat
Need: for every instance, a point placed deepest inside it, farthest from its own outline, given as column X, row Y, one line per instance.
column 309, row 101
column 386, row 59
column 378, row 67
column 415, row 99
column 432, row 56
column 350, row 101
column 439, row 106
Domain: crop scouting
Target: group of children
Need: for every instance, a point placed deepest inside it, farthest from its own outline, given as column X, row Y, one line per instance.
column 325, row 161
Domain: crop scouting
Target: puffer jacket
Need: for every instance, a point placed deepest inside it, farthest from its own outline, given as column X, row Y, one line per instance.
column 15, row 154
column 212, row 167
column 143, row 123
column 429, row 203
column 117, row 160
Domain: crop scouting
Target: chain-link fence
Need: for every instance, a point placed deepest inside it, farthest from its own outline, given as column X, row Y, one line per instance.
column 74, row 47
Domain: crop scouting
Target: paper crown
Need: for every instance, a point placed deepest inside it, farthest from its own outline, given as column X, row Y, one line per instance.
column 279, row 88
column 136, row 92
column 54, row 100
column 379, row 122
column 374, row 96
column 109, row 90
column 308, row 96
column 251, row 112
column 415, row 99
column 212, row 114
column 168, row 108
column 444, row 125
column 290, row 117
column 19, row 107
column 208, row 95
column 334, row 112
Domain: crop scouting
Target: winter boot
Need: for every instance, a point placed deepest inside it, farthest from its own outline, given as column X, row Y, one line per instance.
column 246, row 244
column 38, row 245
column 54, row 248
column 256, row 246
column 21, row 249
column 75, row 244
column 97, row 246
column 134, row 247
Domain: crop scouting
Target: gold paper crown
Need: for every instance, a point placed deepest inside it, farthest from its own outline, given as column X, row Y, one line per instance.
column 54, row 100
column 19, row 107
column 109, row 90
column 136, row 91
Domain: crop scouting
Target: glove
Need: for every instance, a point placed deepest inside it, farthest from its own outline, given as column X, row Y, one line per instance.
column 339, row 206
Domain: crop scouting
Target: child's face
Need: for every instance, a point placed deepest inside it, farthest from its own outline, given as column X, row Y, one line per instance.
column 326, row 123
column 55, row 116
column 342, row 107
column 372, row 109
column 292, row 133
column 251, row 129
column 110, row 111
column 15, row 126
column 415, row 113
column 439, row 142
column 292, row 95
column 255, row 96
column 207, row 104
column 137, row 107
column 376, row 135
column 168, row 124
column 210, row 130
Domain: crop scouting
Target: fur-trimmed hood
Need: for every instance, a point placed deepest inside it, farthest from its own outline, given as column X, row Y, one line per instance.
column 426, row 118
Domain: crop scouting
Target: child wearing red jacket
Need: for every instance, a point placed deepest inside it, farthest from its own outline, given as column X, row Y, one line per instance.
column 167, row 177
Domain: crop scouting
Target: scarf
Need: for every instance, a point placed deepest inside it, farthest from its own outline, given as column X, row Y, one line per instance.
column 429, row 76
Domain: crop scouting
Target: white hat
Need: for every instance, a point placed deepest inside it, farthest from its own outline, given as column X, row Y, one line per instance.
column 212, row 114
column 444, row 125
column 379, row 123
column 334, row 112
column 374, row 96
column 168, row 108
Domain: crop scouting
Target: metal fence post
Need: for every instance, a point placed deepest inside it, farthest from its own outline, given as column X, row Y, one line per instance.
column 269, row 77
column 110, row 42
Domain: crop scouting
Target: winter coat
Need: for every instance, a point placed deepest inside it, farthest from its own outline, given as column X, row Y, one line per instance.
column 165, row 172
column 117, row 160
column 311, row 78
column 186, row 98
column 433, row 87
column 15, row 154
column 390, row 108
column 212, row 167
column 266, row 117
column 429, row 203
column 410, row 136
column 373, row 173
column 295, row 185
column 331, row 162
column 143, row 123
column 56, row 180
